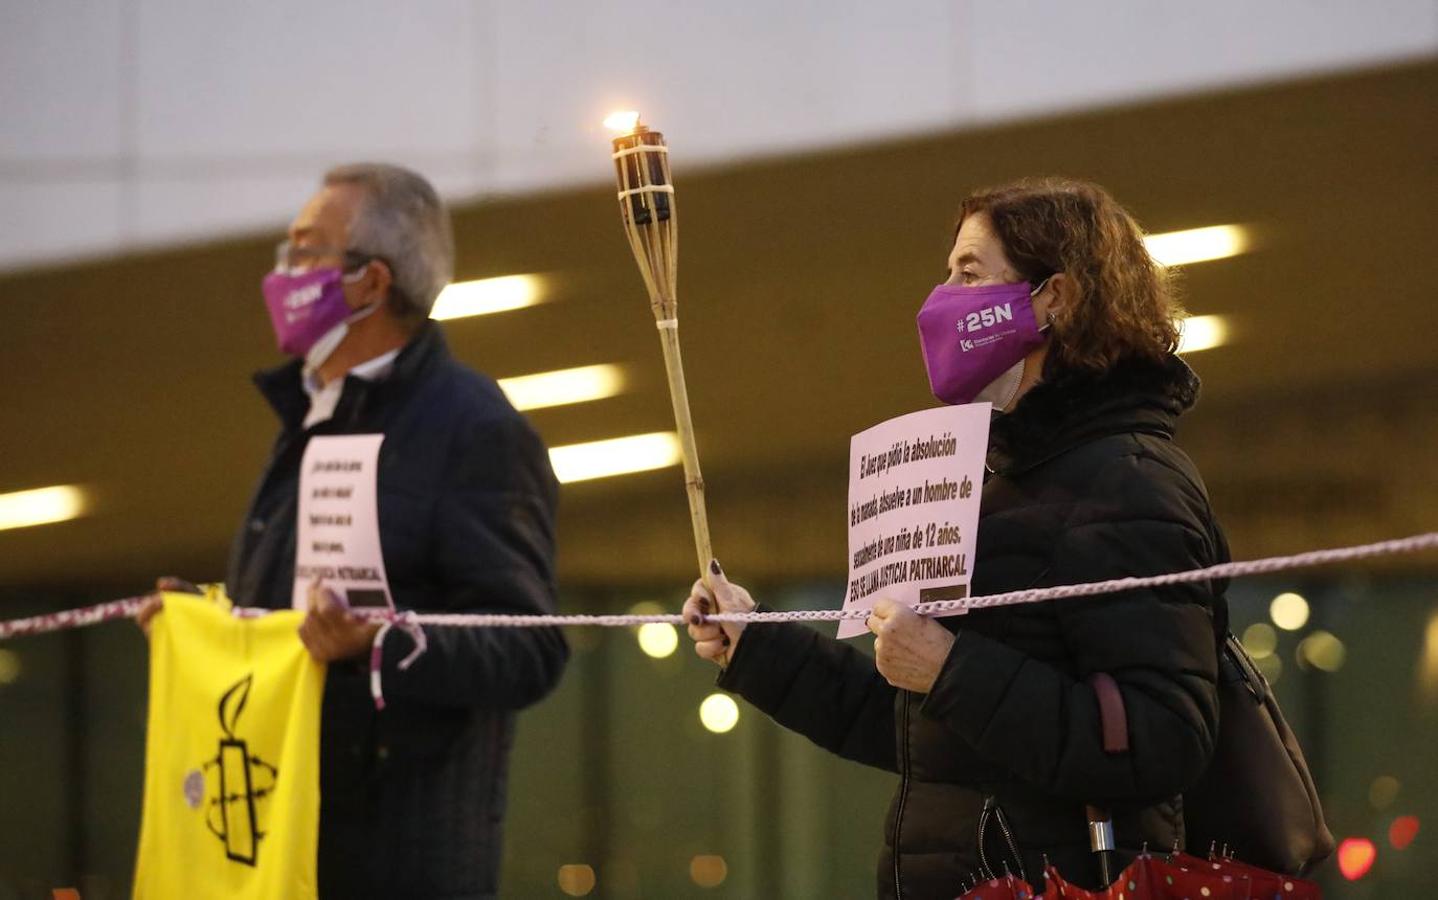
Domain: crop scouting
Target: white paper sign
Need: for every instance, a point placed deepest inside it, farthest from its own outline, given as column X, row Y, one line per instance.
column 914, row 488
column 338, row 535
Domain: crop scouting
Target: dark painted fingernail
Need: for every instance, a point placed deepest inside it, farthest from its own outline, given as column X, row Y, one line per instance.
column 726, row 640
column 714, row 567
column 696, row 619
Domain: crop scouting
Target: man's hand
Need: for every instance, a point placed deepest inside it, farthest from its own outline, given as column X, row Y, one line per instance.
column 330, row 632
column 909, row 649
column 154, row 604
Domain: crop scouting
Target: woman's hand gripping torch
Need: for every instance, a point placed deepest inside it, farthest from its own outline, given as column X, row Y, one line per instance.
column 646, row 206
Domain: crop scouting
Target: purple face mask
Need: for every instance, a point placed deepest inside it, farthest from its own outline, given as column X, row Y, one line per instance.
column 304, row 306
column 975, row 339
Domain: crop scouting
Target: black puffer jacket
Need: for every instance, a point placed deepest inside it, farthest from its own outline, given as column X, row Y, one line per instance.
column 412, row 798
column 1086, row 484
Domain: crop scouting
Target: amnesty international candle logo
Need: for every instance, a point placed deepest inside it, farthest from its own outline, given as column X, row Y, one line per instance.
column 232, row 797
column 237, row 783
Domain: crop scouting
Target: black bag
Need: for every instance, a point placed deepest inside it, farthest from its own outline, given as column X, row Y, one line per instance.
column 1257, row 796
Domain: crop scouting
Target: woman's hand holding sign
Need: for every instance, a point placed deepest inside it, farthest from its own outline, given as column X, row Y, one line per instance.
column 909, row 649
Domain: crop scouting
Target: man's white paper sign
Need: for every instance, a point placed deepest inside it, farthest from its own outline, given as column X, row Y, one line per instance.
column 914, row 488
column 338, row 535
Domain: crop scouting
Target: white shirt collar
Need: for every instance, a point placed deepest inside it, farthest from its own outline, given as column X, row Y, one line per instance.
column 324, row 398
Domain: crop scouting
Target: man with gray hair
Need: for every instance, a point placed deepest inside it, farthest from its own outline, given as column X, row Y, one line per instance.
column 411, row 796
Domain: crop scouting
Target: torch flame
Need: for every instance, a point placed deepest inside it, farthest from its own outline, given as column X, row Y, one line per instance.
column 622, row 121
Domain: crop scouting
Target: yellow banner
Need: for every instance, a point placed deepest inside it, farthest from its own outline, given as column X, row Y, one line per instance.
column 232, row 756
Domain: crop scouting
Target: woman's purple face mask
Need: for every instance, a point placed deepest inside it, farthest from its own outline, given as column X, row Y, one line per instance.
column 973, row 336
column 976, row 329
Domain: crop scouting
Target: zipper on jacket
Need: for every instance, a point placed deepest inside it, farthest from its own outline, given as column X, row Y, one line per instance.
column 1009, row 839
column 985, row 872
column 903, row 792
column 992, row 809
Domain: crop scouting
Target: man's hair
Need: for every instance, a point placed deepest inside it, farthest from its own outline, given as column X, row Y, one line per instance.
column 1125, row 306
column 402, row 221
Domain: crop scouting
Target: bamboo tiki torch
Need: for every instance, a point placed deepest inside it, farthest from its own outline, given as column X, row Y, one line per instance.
column 646, row 206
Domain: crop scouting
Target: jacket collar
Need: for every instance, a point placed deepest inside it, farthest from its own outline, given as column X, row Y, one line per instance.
column 1069, row 408
column 283, row 386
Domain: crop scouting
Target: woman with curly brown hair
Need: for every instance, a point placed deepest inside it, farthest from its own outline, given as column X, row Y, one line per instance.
column 992, row 720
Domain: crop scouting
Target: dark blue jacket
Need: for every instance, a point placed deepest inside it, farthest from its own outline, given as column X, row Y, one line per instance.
column 412, row 798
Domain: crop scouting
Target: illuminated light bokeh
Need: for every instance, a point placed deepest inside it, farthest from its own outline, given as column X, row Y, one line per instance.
column 41, row 506
column 576, row 880
column 708, row 871
column 1193, row 245
column 1260, row 640
column 1323, row 651
column 658, row 640
column 1271, row 666
column 616, row 456
column 486, row 296
column 1355, row 857
column 1202, row 333
column 622, row 121
column 9, row 667
column 1383, row 791
column 1428, row 662
column 1289, row 611
column 719, row 713
column 1402, row 832
column 563, row 386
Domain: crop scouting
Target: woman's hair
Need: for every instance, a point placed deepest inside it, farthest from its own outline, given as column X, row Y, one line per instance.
column 1124, row 307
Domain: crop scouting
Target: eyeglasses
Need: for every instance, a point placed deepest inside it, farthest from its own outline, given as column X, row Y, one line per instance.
column 290, row 256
